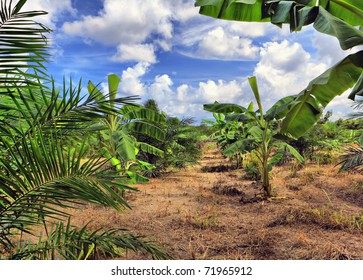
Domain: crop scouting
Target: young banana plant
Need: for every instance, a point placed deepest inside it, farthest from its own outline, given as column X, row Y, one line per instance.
column 338, row 18
column 261, row 137
column 120, row 146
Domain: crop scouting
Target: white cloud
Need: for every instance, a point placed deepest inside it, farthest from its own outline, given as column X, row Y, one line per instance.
column 161, row 89
column 251, row 29
column 136, row 52
column 55, row 9
column 285, row 68
column 183, row 10
column 328, row 48
column 341, row 106
column 218, row 44
column 130, row 79
column 122, row 21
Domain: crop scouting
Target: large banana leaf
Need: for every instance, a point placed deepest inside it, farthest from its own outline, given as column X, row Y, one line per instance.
column 142, row 113
column 240, row 146
column 146, row 128
column 150, row 149
column 224, row 108
column 351, row 11
column 332, row 17
column 232, row 10
column 308, row 105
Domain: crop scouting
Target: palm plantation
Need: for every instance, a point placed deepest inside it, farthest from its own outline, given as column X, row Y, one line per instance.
column 45, row 167
column 66, row 147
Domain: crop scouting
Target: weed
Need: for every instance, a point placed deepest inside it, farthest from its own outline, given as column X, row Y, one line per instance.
column 209, row 221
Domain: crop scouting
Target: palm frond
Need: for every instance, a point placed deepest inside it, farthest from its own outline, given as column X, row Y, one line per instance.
column 68, row 243
column 68, row 109
column 40, row 178
column 352, row 160
column 23, row 44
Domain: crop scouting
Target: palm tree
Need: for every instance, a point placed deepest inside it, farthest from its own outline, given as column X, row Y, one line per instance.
column 352, row 160
column 45, row 167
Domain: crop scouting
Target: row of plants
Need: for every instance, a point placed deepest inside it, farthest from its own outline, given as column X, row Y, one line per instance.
column 293, row 118
column 61, row 149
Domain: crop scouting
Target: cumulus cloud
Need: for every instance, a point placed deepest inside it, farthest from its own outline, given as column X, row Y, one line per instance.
column 55, row 9
column 218, row 44
column 184, row 99
column 123, row 21
column 285, row 68
column 251, row 29
column 136, row 52
column 328, row 48
column 165, row 24
column 131, row 83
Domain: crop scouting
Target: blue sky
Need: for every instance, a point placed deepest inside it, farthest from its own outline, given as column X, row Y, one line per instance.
column 165, row 50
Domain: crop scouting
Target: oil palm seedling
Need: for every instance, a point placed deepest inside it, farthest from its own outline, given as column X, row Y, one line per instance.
column 45, row 167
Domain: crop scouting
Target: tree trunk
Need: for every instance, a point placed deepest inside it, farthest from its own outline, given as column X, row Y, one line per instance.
column 265, row 179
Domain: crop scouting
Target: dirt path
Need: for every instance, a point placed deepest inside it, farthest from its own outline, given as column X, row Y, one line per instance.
column 319, row 219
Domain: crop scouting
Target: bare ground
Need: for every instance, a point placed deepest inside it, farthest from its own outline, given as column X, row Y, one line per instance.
column 317, row 213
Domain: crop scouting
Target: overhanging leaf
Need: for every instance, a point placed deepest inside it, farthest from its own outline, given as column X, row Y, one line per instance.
column 309, row 103
column 347, row 35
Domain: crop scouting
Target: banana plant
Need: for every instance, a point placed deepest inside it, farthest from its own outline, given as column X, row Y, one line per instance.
column 261, row 137
column 226, row 133
column 120, row 146
column 45, row 167
column 342, row 19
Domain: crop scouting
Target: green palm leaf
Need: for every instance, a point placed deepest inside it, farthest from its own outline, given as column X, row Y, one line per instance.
column 41, row 177
column 352, row 160
column 22, row 44
column 69, row 243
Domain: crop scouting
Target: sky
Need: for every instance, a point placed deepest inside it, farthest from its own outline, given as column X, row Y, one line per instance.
column 167, row 51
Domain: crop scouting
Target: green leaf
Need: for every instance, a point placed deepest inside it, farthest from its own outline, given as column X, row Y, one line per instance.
column 95, row 93
column 113, row 82
column 143, row 113
column 292, row 151
column 146, row 128
column 136, row 178
column 358, row 88
column 253, row 83
column 275, row 159
column 23, row 46
column 309, row 103
column 256, row 132
column 126, row 148
column 150, row 149
column 239, row 118
column 347, row 35
column 334, row 17
column 351, row 11
column 238, row 11
column 224, row 108
column 241, row 146
column 280, row 108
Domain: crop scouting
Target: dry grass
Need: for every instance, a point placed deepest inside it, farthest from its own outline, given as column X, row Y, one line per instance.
column 198, row 215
